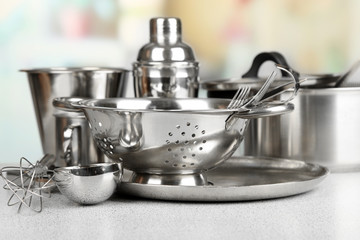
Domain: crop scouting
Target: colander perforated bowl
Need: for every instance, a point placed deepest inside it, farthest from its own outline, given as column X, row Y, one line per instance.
column 166, row 141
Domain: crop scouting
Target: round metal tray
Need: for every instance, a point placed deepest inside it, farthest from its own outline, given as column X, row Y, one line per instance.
column 239, row 179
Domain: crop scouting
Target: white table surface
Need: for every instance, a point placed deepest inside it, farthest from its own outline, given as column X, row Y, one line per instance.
column 330, row 211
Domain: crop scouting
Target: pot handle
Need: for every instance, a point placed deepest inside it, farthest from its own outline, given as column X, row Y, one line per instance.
column 261, row 58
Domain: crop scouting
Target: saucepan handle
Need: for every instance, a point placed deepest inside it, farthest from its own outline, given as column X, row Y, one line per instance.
column 261, row 58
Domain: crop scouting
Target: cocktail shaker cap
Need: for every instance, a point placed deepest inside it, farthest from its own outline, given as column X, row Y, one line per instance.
column 165, row 43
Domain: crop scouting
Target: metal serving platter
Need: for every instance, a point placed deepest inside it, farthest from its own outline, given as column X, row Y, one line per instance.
column 239, row 179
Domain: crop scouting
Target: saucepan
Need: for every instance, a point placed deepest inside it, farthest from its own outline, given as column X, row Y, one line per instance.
column 323, row 128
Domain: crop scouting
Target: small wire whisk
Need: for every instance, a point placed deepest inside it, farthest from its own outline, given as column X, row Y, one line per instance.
column 29, row 183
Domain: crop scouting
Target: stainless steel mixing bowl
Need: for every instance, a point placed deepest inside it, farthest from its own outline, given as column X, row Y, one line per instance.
column 88, row 184
column 167, row 141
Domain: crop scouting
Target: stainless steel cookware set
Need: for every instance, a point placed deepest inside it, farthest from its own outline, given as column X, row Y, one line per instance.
column 166, row 136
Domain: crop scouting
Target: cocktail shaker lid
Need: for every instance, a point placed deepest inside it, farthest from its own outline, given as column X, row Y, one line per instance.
column 165, row 43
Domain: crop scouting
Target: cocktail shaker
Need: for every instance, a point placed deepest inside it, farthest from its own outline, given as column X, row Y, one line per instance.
column 166, row 66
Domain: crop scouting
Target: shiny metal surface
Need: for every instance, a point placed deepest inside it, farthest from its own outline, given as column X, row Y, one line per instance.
column 264, row 110
column 239, row 179
column 74, row 143
column 164, row 136
column 236, row 102
column 323, row 128
column 88, row 184
column 166, row 66
column 48, row 83
column 306, row 81
column 221, row 88
column 165, row 43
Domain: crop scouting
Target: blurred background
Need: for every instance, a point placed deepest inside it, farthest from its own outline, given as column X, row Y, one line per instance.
column 315, row 37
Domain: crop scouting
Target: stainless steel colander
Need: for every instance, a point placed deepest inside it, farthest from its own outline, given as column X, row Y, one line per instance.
column 167, row 141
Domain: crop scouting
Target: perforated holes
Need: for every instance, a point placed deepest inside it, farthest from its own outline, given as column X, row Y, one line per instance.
column 187, row 124
column 170, row 134
column 203, row 131
column 178, row 126
column 193, row 135
column 204, row 141
column 183, row 133
column 196, row 126
column 169, row 149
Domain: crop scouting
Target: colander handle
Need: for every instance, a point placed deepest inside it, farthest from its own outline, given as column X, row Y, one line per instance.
column 65, row 103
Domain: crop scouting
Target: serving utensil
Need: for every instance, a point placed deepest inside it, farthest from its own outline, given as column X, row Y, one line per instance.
column 239, row 179
column 236, row 103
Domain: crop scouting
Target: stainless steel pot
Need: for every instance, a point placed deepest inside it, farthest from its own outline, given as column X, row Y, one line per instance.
column 49, row 83
column 324, row 128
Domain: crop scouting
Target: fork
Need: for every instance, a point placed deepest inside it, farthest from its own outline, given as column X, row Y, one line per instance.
column 235, row 103
column 239, row 97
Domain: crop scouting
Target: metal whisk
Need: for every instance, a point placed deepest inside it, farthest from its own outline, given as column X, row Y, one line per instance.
column 29, row 183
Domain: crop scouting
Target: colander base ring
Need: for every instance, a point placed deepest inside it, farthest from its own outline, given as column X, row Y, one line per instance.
column 195, row 179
